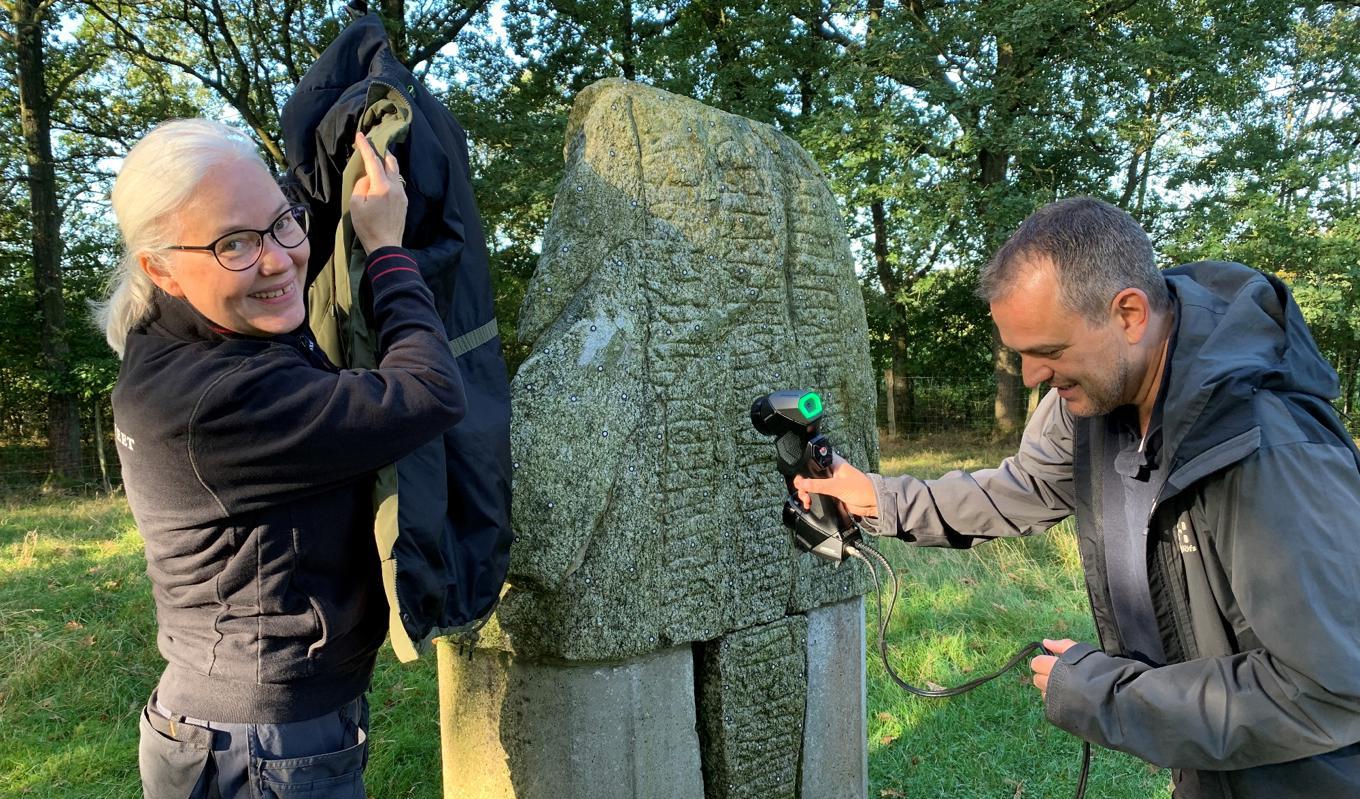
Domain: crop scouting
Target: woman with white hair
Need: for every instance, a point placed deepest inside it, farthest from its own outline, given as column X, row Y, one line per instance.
column 247, row 461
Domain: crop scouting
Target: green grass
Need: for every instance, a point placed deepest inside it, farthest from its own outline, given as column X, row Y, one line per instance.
column 962, row 614
column 78, row 658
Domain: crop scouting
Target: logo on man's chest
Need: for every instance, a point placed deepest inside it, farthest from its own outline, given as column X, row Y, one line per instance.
column 1185, row 537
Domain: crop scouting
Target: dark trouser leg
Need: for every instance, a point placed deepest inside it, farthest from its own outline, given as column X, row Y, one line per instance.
column 321, row 757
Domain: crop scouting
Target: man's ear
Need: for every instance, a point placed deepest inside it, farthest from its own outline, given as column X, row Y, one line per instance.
column 156, row 268
column 1131, row 309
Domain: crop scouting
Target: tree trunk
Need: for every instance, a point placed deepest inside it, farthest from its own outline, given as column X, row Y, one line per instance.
column 393, row 13
column 901, row 387
column 899, row 329
column 99, row 445
column 1349, row 363
column 730, row 74
column 63, row 409
column 993, row 168
column 628, row 47
column 1011, row 396
column 891, row 403
column 1009, row 406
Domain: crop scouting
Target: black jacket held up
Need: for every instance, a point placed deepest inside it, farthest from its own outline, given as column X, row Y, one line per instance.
column 443, row 512
column 247, row 464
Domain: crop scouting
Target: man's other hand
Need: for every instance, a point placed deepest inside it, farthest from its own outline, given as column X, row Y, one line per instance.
column 1043, row 664
column 846, row 483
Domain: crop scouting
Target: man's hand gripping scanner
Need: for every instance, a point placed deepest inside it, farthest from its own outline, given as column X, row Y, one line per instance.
column 826, row 530
column 794, row 417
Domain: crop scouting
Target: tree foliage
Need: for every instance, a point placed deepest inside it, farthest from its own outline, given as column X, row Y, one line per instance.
column 1225, row 126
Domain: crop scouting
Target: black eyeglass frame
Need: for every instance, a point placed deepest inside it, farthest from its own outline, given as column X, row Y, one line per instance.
column 306, row 224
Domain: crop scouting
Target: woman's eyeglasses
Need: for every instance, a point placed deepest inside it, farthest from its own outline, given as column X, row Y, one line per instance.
column 240, row 249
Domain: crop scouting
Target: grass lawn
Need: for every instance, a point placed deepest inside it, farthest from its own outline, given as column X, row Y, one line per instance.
column 78, row 658
column 962, row 614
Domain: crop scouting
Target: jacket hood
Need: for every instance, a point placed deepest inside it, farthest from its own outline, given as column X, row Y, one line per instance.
column 1238, row 332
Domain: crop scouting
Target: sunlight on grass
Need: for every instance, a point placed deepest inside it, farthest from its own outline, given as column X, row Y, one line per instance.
column 930, row 456
column 78, row 658
column 962, row 614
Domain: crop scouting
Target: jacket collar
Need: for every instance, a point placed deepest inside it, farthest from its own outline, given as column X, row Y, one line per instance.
column 1237, row 332
column 174, row 318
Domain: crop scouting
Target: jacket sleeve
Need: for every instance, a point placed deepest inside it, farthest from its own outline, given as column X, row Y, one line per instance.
column 1029, row 492
column 275, row 427
column 1283, row 525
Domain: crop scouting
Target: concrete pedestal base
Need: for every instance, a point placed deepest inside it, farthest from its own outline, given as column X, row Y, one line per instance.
column 835, row 761
column 781, row 706
column 524, row 730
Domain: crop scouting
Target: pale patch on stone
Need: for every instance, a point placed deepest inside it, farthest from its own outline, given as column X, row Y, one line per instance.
column 694, row 260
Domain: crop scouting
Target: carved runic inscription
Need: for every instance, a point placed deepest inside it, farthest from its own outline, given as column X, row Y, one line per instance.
column 694, row 260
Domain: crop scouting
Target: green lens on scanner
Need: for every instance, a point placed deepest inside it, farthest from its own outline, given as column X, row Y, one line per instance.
column 810, row 404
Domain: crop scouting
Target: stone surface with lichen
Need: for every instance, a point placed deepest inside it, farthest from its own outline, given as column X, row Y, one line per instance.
column 694, row 260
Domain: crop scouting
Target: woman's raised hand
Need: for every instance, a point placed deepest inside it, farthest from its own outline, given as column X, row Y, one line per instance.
column 377, row 208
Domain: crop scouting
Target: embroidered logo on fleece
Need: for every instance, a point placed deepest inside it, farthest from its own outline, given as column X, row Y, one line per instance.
column 1184, row 537
column 126, row 440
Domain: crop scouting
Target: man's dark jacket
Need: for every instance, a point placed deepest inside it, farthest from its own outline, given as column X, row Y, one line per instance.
column 443, row 511
column 1252, row 554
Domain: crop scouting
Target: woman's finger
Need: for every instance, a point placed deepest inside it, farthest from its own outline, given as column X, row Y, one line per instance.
column 373, row 167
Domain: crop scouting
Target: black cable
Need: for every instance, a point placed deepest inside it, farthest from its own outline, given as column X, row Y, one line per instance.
column 1034, row 647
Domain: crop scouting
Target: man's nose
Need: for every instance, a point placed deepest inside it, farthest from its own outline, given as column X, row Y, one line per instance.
column 1033, row 371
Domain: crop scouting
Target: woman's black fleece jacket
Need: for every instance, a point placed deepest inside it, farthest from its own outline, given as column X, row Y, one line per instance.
column 246, row 462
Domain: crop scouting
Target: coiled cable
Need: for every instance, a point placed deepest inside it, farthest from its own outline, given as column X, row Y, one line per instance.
column 863, row 552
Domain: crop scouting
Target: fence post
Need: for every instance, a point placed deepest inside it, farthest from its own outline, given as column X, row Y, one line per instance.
column 99, row 445
column 892, row 402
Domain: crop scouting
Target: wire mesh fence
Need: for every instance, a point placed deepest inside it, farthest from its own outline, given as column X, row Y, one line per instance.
column 948, row 404
column 927, row 405
column 937, row 404
column 27, row 464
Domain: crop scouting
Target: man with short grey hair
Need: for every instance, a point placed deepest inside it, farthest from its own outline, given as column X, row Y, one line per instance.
column 1217, row 494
